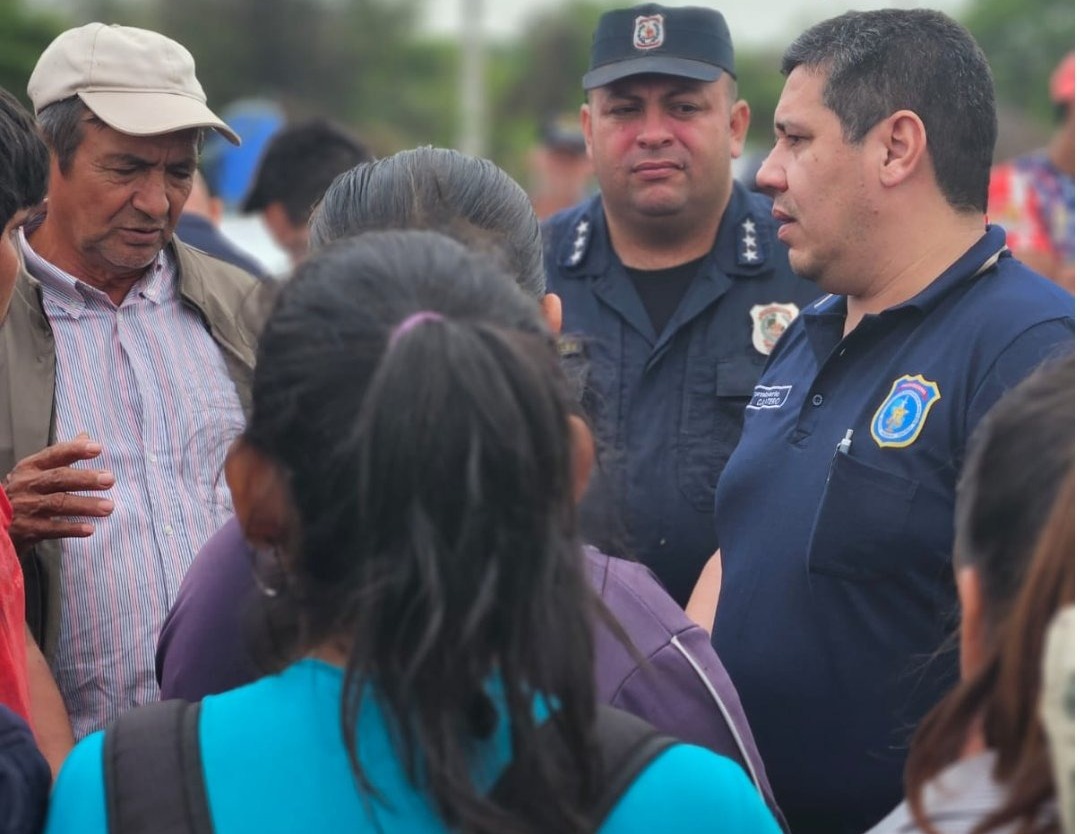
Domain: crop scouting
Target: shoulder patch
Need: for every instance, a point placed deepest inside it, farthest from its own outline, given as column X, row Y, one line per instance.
column 901, row 416
column 768, row 323
column 580, row 245
column 749, row 244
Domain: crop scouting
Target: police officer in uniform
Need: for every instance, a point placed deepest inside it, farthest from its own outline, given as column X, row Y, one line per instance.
column 673, row 286
column 834, row 515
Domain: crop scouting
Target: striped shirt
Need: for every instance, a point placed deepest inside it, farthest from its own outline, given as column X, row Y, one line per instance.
column 145, row 379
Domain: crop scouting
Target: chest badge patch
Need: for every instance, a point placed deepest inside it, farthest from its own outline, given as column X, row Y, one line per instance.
column 901, row 417
column 649, row 31
column 768, row 323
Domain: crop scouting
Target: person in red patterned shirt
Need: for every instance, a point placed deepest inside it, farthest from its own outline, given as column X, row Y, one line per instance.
column 1033, row 196
column 27, row 687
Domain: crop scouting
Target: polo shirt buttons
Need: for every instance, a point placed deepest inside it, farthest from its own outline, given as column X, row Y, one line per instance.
column 817, row 400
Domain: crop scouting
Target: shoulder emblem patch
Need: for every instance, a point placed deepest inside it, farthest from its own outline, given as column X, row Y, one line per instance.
column 582, row 231
column 901, row 417
column 750, row 253
column 768, row 323
column 649, row 31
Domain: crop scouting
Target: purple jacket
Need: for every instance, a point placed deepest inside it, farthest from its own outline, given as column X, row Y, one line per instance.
column 682, row 689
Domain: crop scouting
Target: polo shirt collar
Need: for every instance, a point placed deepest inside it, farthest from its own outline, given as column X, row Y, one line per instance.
column 968, row 267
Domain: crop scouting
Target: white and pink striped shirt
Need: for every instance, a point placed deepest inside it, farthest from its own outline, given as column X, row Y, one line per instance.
column 146, row 380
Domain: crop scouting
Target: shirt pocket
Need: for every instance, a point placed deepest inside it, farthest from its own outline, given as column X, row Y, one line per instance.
column 863, row 512
column 712, row 417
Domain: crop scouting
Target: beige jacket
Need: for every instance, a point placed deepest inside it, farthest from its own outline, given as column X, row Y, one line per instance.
column 231, row 303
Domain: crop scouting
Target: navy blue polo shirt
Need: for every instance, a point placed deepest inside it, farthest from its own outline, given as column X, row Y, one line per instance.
column 667, row 407
column 835, row 520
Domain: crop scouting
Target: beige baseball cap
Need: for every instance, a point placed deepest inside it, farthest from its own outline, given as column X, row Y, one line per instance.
column 136, row 81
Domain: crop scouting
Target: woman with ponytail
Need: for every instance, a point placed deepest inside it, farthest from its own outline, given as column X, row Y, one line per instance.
column 409, row 474
column 656, row 664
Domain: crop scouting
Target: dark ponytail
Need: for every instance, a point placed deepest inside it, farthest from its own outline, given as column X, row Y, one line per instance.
column 431, row 473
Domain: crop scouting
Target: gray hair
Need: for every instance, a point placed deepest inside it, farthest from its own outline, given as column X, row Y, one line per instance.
column 467, row 198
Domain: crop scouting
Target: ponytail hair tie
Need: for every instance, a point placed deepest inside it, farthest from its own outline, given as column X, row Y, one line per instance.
column 411, row 322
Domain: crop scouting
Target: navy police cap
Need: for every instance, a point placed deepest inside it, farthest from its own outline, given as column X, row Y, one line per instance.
column 688, row 41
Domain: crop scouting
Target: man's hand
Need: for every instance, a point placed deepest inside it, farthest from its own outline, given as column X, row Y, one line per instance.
column 40, row 487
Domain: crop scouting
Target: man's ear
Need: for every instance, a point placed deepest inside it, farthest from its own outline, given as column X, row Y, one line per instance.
column 972, row 621
column 583, row 455
column 216, row 209
column 551, row 310
column 260, row 494
column 902, row 137
column 740, row 124
column 293, row 239
column 586, row 127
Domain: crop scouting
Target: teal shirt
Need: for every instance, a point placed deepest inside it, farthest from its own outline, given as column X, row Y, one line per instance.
column 275, row 762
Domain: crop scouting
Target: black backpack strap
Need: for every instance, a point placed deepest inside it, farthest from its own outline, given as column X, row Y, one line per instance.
column 627, row 746
column 153, row 772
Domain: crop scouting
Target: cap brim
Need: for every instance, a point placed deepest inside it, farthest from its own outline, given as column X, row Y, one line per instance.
column 153, row 113
column 651, row 64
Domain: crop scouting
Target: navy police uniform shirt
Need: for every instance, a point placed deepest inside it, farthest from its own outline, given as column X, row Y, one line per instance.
column 835, row 520
column 667, row 407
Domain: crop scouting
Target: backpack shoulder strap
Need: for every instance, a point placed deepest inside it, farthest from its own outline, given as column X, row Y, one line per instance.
column 153, row 771
column 627, row 746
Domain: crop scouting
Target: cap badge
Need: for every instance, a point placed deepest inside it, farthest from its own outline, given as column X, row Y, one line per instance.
column 769, row 321
column 649, row 31
column 900, row 418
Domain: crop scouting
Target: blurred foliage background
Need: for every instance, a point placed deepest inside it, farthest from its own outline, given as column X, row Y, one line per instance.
column 367, row 64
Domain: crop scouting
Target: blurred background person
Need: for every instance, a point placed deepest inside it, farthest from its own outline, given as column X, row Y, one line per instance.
column 560, row 173
column 299, row 163
column 1033, row 197
column 199, row 226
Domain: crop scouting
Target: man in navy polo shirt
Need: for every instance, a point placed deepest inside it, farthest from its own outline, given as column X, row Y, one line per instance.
column 674, row 289
column 834, row 514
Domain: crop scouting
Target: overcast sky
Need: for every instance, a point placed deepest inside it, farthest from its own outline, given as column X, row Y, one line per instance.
column 751, row 21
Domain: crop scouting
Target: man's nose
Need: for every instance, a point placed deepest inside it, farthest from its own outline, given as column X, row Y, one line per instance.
column 655, row 128
column 770, row 176
column 152, row 197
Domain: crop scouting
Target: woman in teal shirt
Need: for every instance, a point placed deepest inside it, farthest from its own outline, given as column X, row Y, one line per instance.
column 409, row 474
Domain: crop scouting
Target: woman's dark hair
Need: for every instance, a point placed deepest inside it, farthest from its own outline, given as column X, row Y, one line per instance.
column 24, row 162
column 1017, row 458
column 1016, row 477
column 1004, row 694
column 465, row 197
column 430, row 472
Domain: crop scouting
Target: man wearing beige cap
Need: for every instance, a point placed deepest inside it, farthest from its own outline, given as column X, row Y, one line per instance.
column 125, row 360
